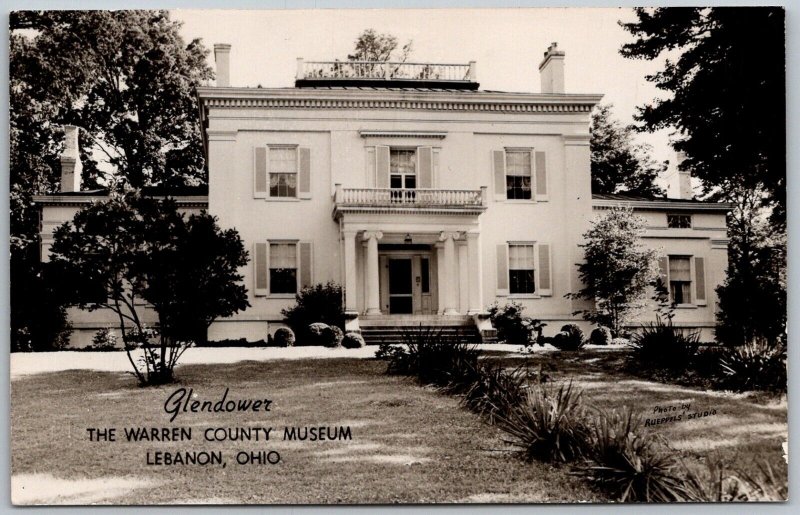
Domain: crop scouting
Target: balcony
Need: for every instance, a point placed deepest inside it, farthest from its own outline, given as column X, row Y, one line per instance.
column 386, row 74
column 409, row 201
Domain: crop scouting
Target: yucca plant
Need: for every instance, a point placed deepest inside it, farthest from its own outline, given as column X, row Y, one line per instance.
column 496, row 390
column 662, row 345
column 715, row 484
column 628, row 464
column 548, row 424
column 756, row 365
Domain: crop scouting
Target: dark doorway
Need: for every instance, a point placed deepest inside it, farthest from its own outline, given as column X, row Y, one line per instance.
column 400, row 291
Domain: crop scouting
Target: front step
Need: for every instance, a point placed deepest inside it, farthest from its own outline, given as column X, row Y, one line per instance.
column 394, row 334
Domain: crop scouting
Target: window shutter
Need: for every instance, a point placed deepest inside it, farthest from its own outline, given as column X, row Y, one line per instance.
column 499, row 162
column 304, row 180
column 382, row 165
column 260, row 178
column 370, row 182
column 261, row 265
column 544, row 272
column 502, row 269
column 425, row 167
column 304, row 256
column 541, row 176
column 663, row 270
column 700, row 281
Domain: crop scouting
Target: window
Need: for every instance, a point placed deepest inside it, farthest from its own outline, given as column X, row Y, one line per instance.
column 518, row 174
column 283, row 172
column 680, row 279
column 402, row 168
column 679, row 221
column 283, row 268
column 521, row 268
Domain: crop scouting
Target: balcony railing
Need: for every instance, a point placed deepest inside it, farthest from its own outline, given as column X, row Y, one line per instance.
column 399, row 197
column 377, row 70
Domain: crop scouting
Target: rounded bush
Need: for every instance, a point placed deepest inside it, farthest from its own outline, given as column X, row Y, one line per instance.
column 600, row 336
column 570, row 338
column 284, row 337
column 321, row 334
column 338, row 335
column 353, row 341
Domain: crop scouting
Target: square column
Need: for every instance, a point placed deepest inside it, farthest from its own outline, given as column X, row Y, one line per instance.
column 474, row 273
column 350, row 272
column 447, row 291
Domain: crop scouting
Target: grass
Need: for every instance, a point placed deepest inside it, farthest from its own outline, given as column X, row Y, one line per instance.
column 410, row 443
column 746, row 427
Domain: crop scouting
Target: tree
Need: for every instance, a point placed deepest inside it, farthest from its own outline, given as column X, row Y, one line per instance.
column 726, row 103
column 617, row 270
column 752, row 300
column 726, row 97
column 372, row 46
column 127, row 79
column 618, row 164
column 131, row 248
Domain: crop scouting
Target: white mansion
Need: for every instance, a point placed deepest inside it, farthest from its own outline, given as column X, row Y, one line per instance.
column 425, row 197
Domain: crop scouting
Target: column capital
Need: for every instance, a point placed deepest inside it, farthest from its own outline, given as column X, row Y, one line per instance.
column 368, row 235
column 349, row 233
column 472, row 235
column 449, row 235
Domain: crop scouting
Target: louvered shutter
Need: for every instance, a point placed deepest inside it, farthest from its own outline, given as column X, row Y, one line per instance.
column 370, row 167
column 499, row 165
column 663, row 269
column 545, row 271
column 382, row 166
column 261, row 268
column 425, row 167
column 304, row 171
column 541, row 176
column 305, row 264
column 260, row 178
column 700, row 281
column 502, row 269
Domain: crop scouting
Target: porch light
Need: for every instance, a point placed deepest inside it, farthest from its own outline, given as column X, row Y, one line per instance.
column 407, row 239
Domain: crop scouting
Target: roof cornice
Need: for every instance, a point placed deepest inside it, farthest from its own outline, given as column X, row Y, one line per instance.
column 660, row 205
column 83, row 200
column 304, row 98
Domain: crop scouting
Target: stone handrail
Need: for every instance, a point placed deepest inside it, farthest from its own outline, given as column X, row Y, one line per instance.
column 384, row 70
column 409, row 197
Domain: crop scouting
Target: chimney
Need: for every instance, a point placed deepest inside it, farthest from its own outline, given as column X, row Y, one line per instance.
column 71, row 166
column 681, row 187
column 551, row 70
column 222, row 56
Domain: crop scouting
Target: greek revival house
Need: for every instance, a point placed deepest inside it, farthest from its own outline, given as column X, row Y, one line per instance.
column 427, row 198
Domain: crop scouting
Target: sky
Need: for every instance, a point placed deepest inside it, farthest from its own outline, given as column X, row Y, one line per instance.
column 507, row 44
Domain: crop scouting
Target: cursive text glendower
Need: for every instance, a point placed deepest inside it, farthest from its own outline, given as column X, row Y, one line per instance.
column 183, row 400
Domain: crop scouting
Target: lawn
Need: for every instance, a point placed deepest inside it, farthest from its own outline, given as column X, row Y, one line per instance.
column 410, row 444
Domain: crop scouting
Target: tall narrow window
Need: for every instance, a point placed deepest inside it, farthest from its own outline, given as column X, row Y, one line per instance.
column 680, row 279
column 518, row 174
column 283, row 172
column 282, row 268
column 425, row 273
column 521, row 269
column 403, row 174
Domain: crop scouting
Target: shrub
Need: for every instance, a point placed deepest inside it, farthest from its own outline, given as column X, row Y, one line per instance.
column 496, row 390
column 620, row 341
column 757, row 365
column 714, row 483
column 338, row 335
column 600, row 336
column 548, row 425
column 104, row 340
column 433, row 358
column 664, row 346
column 319, row 303
column 284, row 337
column 320, row 334
column 511, row 326
column 352, row 341
column 629, row 464
column 569, row 339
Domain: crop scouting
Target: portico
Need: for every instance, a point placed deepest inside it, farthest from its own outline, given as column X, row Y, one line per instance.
column 411, row 259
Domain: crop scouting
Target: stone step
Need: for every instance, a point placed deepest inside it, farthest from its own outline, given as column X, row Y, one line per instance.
column 395, row 334
column 415, row 321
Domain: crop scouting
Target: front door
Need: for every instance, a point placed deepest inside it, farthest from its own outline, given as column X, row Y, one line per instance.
column 401, row 294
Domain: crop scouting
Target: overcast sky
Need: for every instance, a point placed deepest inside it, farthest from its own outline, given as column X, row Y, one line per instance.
column 506, row 43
